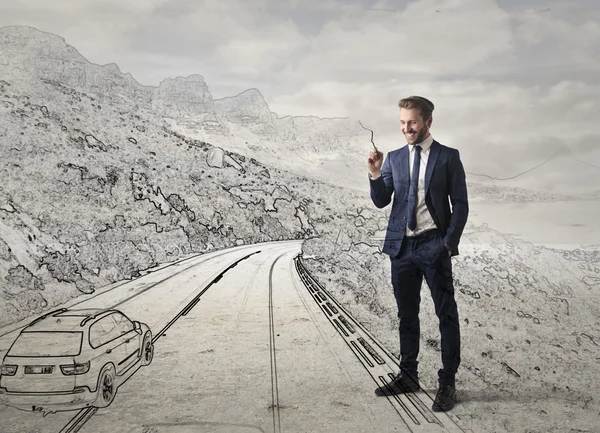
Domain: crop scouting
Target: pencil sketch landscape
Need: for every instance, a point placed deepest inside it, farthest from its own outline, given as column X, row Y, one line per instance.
column 175, row 262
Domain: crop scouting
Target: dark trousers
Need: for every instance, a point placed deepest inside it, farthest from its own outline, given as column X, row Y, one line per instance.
column 426, row 255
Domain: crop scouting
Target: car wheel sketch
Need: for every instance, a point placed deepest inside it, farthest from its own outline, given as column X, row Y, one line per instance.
column 147, row 349
column 106, row 387
column 72, row 359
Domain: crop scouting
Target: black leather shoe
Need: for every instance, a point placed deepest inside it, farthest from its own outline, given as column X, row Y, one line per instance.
column 399, row 385
column 445, row 398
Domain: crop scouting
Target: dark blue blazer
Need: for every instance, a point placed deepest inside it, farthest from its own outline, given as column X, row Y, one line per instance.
column 445, row 183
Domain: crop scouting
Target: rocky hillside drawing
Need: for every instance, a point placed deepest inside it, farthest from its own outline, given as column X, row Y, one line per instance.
column 97, row 193
column 98, row 188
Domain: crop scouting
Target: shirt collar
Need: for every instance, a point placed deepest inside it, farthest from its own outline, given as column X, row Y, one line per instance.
column 425, row 144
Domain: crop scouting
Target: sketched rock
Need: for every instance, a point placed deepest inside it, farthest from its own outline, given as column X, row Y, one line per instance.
column 8, row 208
column 62, row 266
column 5, row 252
column 260, row 195
column 20, row 278
column 27, row 301
column 143, row 190
column 302, row 215
column 94, row 143
column 510, row 370
column 215, row 157
column 591, row 281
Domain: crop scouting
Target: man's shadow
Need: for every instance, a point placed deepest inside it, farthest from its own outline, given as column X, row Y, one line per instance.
column 487, row 396
column 482, row 396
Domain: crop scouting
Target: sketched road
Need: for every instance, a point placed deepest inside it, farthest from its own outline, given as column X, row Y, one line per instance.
column 245, row 341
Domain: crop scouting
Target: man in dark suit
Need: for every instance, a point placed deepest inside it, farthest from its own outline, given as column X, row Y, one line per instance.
column 422, row 234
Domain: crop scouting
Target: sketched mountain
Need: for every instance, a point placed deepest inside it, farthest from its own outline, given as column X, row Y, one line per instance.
column 242, row 123
column 561, row 173
column 300, row 144
column 27, row 53
column 183, row 96
column 248, row 108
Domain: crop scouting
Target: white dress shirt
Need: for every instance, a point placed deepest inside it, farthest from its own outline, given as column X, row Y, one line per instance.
column 424, row 220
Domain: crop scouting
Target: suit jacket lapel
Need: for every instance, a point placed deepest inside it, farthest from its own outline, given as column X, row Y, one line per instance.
column 404, row 168
column 434, row 152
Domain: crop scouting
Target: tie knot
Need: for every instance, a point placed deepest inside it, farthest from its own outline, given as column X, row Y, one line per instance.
column 417, row 147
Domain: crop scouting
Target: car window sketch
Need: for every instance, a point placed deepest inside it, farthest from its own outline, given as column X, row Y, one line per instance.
column 103, row 331
column 46, row 344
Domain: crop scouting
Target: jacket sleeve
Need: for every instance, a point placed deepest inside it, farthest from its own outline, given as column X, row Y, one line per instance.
column 382, row 188
column 457, row 189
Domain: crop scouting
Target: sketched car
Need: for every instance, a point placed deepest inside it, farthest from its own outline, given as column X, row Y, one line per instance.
column 71, row 359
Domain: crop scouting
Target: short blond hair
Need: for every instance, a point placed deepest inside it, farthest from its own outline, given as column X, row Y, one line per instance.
column 424, row 105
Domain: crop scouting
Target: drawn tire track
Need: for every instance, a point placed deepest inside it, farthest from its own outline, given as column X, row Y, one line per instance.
column 247, row 292
column 75, row 424
column 145, row 289
column 378, row 361
column 272, row 350
column 78, row 421
column 367, row 410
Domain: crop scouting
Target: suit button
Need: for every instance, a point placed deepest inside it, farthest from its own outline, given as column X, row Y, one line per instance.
column 403, row 218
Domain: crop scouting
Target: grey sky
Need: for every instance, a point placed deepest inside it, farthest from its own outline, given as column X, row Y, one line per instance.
column 503, row 74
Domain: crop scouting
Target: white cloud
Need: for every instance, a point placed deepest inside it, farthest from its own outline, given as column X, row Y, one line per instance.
column 561, row 42
column 462, row 35
column 258, row 52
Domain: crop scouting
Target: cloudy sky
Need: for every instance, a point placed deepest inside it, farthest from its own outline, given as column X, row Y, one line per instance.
column 512, row 80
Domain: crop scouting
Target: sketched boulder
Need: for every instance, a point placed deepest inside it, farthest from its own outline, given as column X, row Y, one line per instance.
column 232, row 162
column 215, row 157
